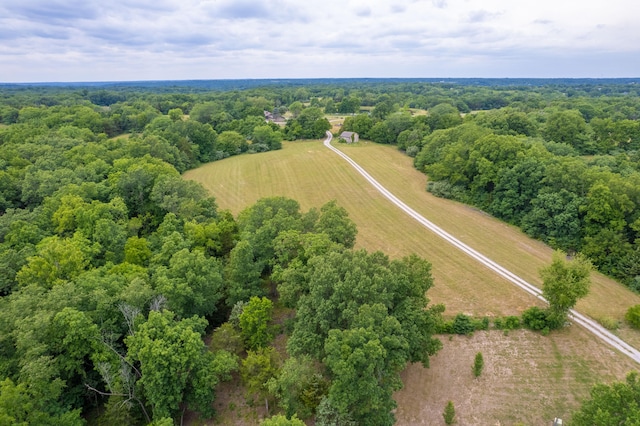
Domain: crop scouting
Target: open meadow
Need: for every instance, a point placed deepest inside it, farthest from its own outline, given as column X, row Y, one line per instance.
column 528, row 378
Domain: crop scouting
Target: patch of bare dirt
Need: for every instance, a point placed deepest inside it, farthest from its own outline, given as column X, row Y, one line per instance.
column 527, row 378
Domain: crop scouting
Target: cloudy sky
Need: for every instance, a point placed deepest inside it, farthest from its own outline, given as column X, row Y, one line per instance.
column 87, row 40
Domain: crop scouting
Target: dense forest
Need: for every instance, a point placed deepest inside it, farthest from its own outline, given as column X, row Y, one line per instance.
column 113, row 269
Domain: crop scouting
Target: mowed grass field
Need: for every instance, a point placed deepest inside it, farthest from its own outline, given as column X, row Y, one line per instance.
column 560, row 368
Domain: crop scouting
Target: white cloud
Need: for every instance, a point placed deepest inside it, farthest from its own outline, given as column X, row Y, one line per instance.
column 83, row 40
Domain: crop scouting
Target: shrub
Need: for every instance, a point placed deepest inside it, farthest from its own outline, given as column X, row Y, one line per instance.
column 633, row 316
column 634, row 284
column 280, row 420
column 512, row 323
column 498, row 323
column 444, row 327
column 478, row 364
column 480, row 324
column 228, row 338
column 444, row 189
column 462, row 324
column 449, row 413
column 535, row 319
column 609, row 323
column 412, row 151
column 258, row 147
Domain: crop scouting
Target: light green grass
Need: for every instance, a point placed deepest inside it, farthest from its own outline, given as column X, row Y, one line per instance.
column 313, row 175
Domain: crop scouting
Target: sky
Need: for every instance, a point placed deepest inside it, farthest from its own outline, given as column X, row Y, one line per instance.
column 135, row 40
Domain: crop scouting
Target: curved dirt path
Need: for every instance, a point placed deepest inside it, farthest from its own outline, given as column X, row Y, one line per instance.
column 589, row 324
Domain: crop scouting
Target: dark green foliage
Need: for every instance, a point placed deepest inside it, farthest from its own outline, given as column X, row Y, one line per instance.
column 192, row 283
column 19, row 406
column 334, row 221
column 614, row 404
column 309, row 124
column 267, row 136
column 568, row 127
column 443, row 116
column 360, row 124
column 507, row 323
column 175, row 365
column 374, row 307
column 445, row 189
column 462, row 324
column 478, row 364
column 449, row 413
column 535, row 319
column 242, row 274
column 299, row 386
column 363, row 380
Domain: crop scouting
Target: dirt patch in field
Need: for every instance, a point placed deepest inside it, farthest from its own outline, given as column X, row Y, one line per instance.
column 527, row 378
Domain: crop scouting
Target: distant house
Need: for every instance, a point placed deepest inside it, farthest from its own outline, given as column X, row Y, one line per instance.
column 273, row 118
column 349, row 137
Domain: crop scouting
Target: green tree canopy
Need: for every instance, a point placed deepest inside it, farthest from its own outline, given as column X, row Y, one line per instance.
column 254, row 322
column 564, row 282
column 175, row 364
column 614, row 404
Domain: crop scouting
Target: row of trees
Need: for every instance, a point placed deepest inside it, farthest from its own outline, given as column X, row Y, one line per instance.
column 561, row 199
column 599, row 135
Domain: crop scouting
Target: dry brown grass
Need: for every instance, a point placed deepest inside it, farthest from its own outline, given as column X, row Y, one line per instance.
column 533, row 378
column 527, row 378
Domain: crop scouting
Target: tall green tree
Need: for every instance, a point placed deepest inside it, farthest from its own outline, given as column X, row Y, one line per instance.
column 568, row 127
column 362, row 379
column 257, row 369
column 267, row 136
column 242, row 274
column 19, row 407
column 334, row 221
column 192, row 283
column 564, row 282
column 254, row 322
column 177, row 369
column 299, row 386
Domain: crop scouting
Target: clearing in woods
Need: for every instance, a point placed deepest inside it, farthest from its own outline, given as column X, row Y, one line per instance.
column 555, row 379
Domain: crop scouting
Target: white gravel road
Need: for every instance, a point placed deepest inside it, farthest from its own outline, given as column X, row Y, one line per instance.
column 586, row 322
